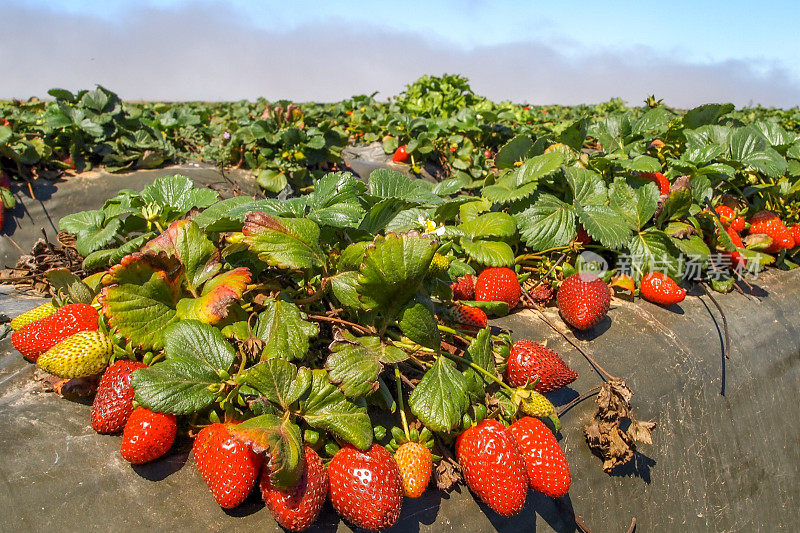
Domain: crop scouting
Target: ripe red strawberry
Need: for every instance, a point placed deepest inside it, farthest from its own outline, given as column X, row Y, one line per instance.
column 415, row 463
column 582, row 237
column 498, row 285
column 796, row 234
column 468, row 316
column 113, row 403
column 767, row 223
column 297, row 508
column 529, row 359
column 583, row 300
column 659, row 179
column 400, row 155
column 737, row 260
column 464, row 287
column 39, row 336
column 729, row 218
column 548, row 471
column 147, row 435
column 493, row 466
column 659, row 288
column 229, row 467
column 366, row 487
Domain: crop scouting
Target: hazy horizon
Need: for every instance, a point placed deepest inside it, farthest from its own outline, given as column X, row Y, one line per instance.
column 178, row 50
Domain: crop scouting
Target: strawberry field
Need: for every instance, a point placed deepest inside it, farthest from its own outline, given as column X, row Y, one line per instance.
column 355, row 339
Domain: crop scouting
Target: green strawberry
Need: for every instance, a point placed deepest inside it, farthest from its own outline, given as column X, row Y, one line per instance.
column 83, row 354
column 32, row 316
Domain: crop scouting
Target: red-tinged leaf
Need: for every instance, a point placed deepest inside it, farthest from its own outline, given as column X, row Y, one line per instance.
column 282, row 442
column 186, row 242
column 624, row 282
column 217, row 297
column 137, row 268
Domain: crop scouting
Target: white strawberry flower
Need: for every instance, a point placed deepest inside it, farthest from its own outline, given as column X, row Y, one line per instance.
column 430, row 226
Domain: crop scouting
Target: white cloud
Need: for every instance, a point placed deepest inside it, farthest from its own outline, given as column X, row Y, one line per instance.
column 206, row 53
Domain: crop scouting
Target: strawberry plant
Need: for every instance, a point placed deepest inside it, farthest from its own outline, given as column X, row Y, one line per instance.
column 337, row 342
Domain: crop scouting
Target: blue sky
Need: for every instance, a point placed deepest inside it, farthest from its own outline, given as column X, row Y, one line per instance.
column 734, row 50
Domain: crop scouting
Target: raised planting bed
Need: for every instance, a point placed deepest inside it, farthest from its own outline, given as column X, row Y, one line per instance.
column 717, row 463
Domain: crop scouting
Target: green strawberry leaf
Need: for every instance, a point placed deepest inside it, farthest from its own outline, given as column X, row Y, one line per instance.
column 287, row 243
column 65, row 282
column 218, row 217
column 335, row 188
column 498, row 224
column 480, row 353
column 539, row 166
column 605, row 224
column 548, row 223
column 491, row 253
column 141, row 311
column 282, row 442
column 352, row 256
column 196, row 356
column 325, row 407
column 418, row 324
column 393, row 268
column 653, row 250
column 505, row 189
column 284, row 330
column 407, row 220
column 355, row 362
column 440, row 398
column 278, row 380
column 677, row 205
column 92, row 229
column 386, row 184
column 641, row 163
column 588, row 187
column 110, row 256
column 178, row 194
column 513, row 151
column 637, row 202
column 343, row 286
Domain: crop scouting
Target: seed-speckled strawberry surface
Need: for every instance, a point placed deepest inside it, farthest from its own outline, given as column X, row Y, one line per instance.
column 468, row 316
column 659, row 179
column 529, row 359
column 39, row 336
column 545, row 463
column 32, row 315
column 229, row 467
column 83, row 354
column 770, row 224
column 660, row 289
column 415, row 463
column 365, row 487
column 297, row 508
column 583, row 300
column 493, row 466
column 464, row 287
column 498, row 285
column 113, row 403
column 147, row 435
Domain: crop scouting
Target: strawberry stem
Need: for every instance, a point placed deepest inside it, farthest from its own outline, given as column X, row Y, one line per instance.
column 400, row 404
column 480, row 369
